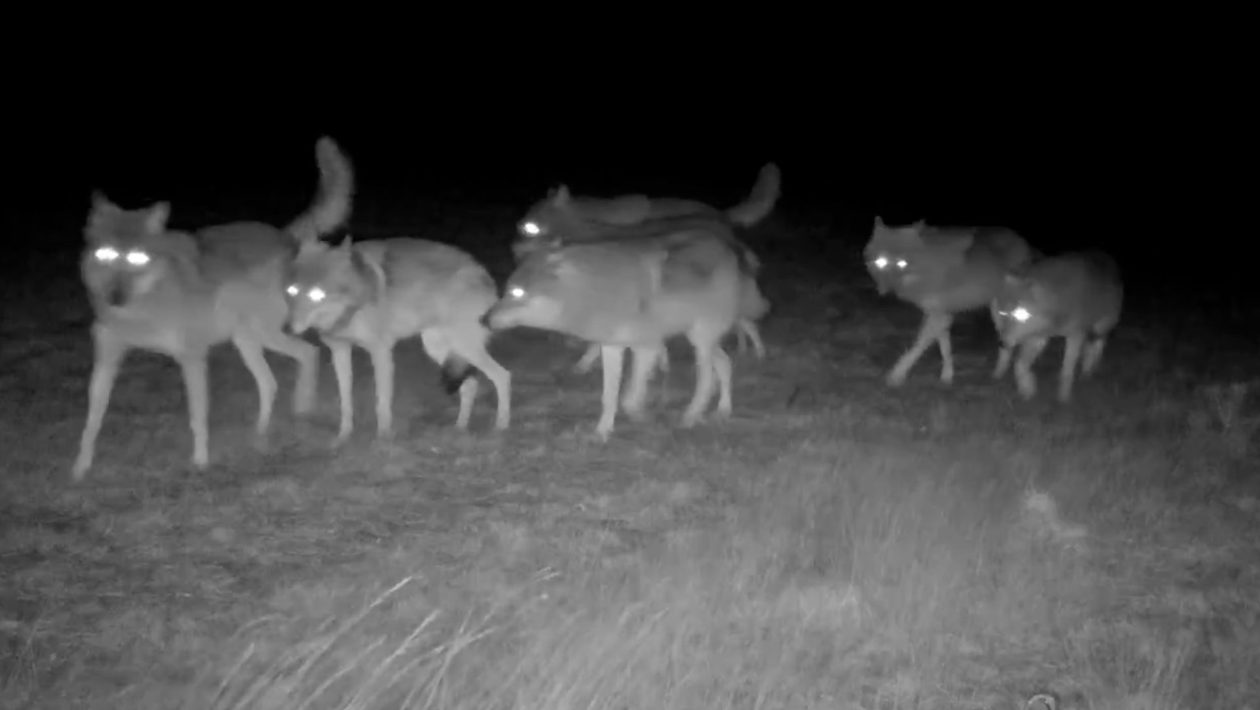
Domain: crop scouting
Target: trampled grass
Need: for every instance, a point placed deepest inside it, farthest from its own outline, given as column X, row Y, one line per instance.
column 835, row 545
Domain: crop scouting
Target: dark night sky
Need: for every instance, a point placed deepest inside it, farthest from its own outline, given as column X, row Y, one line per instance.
column 1078, row 156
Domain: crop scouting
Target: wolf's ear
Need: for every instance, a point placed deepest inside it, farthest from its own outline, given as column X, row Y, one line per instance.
column 100, row 202
column 561, row 195
column 879, row 223
column 156, row 216
column 101, row 208
column 346, row 243
column 918, row 225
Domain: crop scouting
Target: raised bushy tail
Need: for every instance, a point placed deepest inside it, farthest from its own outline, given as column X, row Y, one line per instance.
column 761, row 200
column 333, row 200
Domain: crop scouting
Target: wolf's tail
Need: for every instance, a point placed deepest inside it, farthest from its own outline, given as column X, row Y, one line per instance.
column 761, row 200
column 752, row 304
column 332, row 202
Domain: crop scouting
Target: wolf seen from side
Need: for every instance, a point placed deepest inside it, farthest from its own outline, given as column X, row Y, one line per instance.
column 672, row 277
column 562, row 218
column 944, row 272
column 374, row 293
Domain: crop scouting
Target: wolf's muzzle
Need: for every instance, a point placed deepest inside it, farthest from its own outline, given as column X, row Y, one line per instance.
column 116, row 294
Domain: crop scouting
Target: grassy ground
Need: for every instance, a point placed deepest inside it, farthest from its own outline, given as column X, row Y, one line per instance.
column 836, row 545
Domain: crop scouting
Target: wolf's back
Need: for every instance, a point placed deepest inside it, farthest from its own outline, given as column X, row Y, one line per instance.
column 676, row 230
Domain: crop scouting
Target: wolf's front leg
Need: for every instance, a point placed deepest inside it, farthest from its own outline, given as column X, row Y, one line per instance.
column 109, row 354
column 342, row 352
column 612, row 361
column 197, row 390
column 383, row 372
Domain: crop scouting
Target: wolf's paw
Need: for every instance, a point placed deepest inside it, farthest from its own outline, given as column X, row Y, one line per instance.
column 896, row 378
column 81, row 466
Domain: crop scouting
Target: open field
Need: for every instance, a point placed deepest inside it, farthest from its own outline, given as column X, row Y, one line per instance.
column 835, row 545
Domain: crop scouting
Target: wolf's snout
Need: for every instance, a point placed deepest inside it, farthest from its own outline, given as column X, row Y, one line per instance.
column 116, row 295
column 295, row 325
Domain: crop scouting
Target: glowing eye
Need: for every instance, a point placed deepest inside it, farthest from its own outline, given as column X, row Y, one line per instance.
column 106, row 254
column 516, row 292
column 531, row 228
column 292, row 290
column 881, row 262
column 902, row 263
column 1021, row 314
column 137, row 258
column 316, row 294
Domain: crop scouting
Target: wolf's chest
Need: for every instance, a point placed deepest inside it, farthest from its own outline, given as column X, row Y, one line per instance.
column 166, row 328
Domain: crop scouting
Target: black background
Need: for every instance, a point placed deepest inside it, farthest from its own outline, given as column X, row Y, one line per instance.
column 1134, row 150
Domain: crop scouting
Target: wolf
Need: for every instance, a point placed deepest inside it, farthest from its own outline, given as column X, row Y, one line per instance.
column 753, row 306
column 563, row 218
column 180, row 294
column 575, row 218
column 1078, row 296
column 944, row 272
column 677, row 278
column 374, row 293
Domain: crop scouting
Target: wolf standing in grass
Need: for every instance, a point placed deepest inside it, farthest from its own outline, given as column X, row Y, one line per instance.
column 180, row 294
column 660, row 279
column 564, row 218
column 1077, row 296
column 374, row 293
column 944, row 272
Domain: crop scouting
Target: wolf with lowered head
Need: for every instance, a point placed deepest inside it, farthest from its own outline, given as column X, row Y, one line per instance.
column 374, row 293
column 563, row 218
column 658, row 280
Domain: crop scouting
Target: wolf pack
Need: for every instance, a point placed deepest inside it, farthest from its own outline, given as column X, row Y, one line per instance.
column 625, row 274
